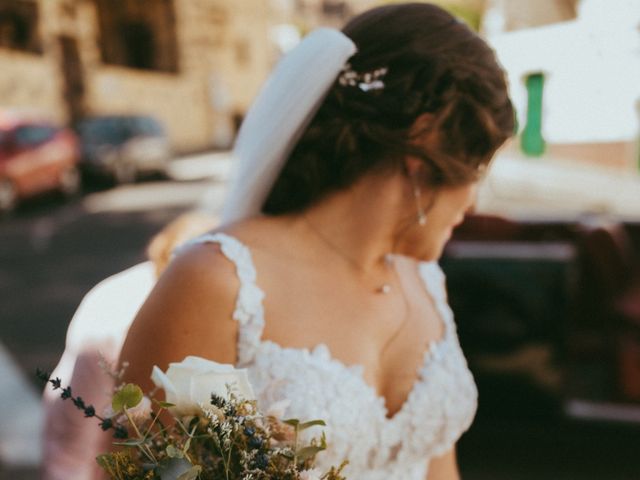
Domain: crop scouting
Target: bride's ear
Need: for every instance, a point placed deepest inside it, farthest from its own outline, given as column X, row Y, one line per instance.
column 423, row 134
column 422, row 126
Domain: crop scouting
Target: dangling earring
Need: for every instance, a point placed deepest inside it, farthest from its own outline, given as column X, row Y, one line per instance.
column 417, row 193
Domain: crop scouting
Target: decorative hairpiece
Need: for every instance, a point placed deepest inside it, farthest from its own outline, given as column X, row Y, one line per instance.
column 364, row 81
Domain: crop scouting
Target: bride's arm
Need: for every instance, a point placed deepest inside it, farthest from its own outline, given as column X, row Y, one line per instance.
column 444, row 467
column 189, row 312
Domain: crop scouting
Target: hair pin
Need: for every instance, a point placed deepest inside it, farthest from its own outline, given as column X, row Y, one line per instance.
column 366, row 81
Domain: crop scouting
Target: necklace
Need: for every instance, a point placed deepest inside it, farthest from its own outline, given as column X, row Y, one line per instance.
column 384, row 288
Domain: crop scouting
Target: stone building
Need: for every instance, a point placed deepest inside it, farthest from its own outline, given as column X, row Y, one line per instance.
column 509, row 15
column 573, row 78
column 193, row 64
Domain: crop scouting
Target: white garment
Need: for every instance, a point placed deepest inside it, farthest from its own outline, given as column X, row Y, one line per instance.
column 97, row 331
column 439, row 408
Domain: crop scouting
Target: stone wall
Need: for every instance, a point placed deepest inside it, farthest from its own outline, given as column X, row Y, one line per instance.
column 223, row 56
column 30, row 82
column 617, row 155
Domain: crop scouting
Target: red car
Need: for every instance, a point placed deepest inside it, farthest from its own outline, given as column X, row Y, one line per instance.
column 35, row 157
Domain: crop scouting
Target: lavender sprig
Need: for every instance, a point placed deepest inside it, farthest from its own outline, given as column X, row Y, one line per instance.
column 105, row 424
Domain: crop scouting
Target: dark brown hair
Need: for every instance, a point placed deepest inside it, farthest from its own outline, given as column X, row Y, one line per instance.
column 436, row 65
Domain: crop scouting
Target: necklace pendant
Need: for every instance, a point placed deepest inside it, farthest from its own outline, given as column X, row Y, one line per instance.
column 384, row 288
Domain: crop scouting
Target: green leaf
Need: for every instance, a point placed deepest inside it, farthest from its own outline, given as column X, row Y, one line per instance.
column 162, row 404
column 312, row 423
column 191, row 474
column 308, row 452
column 127, row 397
column 294, row 422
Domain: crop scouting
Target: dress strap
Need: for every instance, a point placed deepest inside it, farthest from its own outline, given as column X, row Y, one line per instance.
column 249, row 309
column 436, row 285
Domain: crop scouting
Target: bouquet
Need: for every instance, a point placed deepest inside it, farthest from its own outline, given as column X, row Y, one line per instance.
column 208, row 428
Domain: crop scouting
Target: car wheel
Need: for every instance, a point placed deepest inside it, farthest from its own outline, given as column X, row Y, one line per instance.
column 8, row 196
column 124, row 172
column 70, row 182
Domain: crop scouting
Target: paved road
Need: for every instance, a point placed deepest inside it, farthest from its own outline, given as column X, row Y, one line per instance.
column 52, row 256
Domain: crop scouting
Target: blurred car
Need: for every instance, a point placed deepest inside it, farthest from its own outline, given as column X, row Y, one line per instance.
column 123, row 146
column 36, row 156
column 548, row 314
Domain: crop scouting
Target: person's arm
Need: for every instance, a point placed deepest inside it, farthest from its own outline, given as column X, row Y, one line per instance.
column 95, row 334
column 70, row 441
column 189, row 312
column 444, row 467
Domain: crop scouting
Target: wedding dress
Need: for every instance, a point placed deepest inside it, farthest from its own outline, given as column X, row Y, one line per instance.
column 439, row 408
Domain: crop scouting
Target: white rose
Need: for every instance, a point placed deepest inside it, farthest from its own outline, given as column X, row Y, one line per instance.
column 190, row 383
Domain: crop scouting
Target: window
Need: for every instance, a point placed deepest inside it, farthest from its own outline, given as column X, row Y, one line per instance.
column 19, row 26
column 103, row 130
column 334, row 8
column 33, row 135
column 137, row 34
column 147, row 126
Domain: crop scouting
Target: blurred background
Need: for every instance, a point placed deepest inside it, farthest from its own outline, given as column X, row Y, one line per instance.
column 118, row 115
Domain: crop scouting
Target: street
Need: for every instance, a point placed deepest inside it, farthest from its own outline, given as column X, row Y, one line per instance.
column 51, row 257
column 52, row 252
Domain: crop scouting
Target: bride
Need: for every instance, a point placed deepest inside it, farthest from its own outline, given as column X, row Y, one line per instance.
column 358, row 158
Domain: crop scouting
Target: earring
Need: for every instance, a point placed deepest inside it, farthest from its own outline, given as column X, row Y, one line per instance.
column 422, row 216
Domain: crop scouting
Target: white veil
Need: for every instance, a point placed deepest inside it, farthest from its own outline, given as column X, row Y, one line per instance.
column 279, row 115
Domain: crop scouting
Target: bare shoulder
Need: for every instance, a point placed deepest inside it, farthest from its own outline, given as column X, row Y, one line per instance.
column 188, row 312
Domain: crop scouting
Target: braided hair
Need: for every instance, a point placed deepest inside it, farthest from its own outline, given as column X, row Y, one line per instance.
column 433, row 65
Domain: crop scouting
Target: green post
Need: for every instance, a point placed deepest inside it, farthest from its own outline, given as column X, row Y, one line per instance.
column 531, row 140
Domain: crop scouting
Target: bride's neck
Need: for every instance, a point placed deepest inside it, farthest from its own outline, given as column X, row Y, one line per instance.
column 361, row 221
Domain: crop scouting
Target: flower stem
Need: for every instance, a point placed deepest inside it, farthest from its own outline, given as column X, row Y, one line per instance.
column 144, row 448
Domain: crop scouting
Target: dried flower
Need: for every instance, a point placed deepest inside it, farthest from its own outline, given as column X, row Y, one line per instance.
column 313, row 474
column 106, row 424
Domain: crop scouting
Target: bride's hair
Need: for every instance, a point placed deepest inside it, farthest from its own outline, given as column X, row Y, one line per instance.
column 434, row 65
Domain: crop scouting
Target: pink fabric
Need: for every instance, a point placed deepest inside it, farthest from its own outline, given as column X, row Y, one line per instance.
column 97, row 331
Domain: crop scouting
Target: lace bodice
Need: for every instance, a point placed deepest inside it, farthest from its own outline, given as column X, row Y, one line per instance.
column 439, row 408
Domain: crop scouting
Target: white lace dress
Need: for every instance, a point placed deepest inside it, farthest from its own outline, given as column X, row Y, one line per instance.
column 439, row 408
